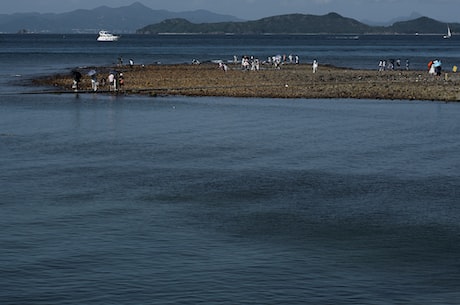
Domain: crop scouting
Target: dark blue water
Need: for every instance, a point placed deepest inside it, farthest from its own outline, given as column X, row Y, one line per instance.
column 25, row 54
column 176, row 200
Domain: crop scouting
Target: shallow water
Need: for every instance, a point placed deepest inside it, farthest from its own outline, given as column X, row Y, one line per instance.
column 180, row 200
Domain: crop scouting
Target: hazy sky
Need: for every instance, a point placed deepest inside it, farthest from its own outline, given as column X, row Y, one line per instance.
column 374, row 10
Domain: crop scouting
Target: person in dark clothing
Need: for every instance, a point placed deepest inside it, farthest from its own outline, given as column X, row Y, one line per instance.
column 76, row 79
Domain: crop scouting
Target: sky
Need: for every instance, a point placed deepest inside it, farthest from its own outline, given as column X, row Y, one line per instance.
column 370, row 10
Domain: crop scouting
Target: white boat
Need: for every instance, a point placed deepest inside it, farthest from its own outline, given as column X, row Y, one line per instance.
column 106, row 36
column 449, row 33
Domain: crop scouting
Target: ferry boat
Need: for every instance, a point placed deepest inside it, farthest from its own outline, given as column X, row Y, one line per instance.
column 106, row 36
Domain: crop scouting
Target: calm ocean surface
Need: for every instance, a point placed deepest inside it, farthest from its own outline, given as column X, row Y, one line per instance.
column 178, row 200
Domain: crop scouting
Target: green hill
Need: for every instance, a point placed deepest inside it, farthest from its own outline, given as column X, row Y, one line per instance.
column 331, row 23
column 422, row 25
column 295, row 23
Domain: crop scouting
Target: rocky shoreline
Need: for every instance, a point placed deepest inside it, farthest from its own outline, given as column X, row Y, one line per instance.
column 290, row 81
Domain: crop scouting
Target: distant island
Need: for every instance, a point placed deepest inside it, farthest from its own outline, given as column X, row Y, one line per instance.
column 124, row 19
column 138, row 18
column 331, row 23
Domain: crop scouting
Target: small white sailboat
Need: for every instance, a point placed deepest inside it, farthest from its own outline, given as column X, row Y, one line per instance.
column 106, row 36
column 449, row 33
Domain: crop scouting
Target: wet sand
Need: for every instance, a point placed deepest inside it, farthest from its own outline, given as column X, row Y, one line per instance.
column 291, row 81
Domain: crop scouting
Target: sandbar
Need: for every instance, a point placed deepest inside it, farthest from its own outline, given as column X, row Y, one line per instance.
column 290, row 81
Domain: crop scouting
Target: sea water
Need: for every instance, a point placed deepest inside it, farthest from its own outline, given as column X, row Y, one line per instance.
column 178, row 200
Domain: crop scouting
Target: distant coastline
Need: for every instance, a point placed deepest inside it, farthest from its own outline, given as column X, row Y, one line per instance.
column 331, row 23
column 138, row 18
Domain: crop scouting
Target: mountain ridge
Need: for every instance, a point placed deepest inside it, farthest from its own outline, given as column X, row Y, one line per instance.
column 331, row 23
column 138, row 18
column 124, row 19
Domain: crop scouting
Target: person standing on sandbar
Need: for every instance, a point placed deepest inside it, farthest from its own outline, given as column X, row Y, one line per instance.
column 315, row 66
